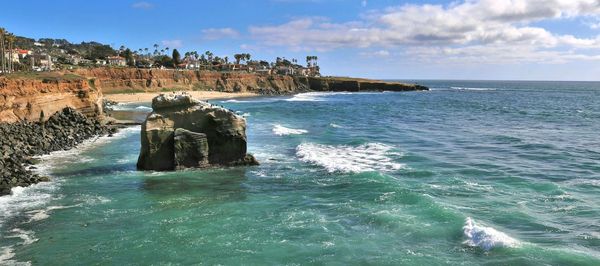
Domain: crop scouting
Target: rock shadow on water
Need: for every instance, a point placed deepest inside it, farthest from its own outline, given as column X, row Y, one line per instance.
column 212, row 185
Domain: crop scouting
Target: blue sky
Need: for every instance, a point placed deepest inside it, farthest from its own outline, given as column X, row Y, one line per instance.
column 465, row 39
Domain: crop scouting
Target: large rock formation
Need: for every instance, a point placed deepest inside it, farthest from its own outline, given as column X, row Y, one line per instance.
column 182, row 132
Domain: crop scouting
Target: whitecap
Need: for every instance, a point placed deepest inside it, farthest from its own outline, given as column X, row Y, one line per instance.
column 335, row 125
column 280, row 130
column 486, row 237
column 346, row 159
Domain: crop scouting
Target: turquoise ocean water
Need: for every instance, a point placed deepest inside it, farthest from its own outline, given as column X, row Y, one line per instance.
column 469, row 173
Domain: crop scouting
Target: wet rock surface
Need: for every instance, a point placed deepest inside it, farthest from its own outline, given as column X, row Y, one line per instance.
column 20, row 142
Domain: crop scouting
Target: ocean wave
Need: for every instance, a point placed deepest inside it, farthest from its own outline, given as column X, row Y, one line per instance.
column 335, row 125
column 280, row 130
column 486, row 238
column 26, row 198
column 144, row 108
column 314, row 96
column 30, row 199
column 129, row 107
column 350, row 159
column 473, row 89
column 49, row 161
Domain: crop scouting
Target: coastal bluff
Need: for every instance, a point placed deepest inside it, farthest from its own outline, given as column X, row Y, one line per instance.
column 182, row 132
column 35, row 97
column 132, row 80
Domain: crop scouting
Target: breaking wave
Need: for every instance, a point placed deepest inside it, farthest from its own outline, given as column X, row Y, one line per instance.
column 350, row 159
column 280, row 130
column 486, row 238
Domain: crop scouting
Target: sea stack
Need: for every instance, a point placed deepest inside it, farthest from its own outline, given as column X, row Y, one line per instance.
column 182, row 132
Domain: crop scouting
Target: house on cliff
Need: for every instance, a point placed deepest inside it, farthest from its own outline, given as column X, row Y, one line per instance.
column 116, row 61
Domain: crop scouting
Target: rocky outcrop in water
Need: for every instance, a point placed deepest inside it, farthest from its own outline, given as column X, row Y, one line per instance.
column 183, row 132
column 23, row 140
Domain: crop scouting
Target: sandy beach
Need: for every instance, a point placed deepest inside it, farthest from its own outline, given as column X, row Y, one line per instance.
column 202, row 95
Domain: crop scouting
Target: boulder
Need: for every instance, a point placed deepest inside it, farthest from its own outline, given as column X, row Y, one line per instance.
column 182, row 132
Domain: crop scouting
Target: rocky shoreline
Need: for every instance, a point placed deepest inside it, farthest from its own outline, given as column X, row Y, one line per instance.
column 22, row 141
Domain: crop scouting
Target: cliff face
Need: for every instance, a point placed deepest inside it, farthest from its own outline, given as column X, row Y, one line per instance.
column 114, row 80
column 24, row 99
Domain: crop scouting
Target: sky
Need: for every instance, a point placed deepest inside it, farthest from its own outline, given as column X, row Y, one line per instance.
column 434, row 39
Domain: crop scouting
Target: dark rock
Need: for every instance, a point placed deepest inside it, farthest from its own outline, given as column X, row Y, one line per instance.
column 21, row 141
column 191, row 149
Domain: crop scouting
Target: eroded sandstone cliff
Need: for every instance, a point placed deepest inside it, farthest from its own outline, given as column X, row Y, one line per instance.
column 27, row 98
column 116, row 80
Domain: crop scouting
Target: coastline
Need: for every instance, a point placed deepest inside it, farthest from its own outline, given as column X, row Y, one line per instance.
column 203, row 95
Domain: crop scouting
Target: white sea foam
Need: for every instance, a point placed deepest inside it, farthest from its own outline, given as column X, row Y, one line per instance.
column 38, row 215
column 486, row 237
column 6, row 256
column 312, row 96
column 28, row 237
column 26, row 198
column 144, row 108
column 343, row 158
column 335, row 125
column 32, row 198
column 280, row 130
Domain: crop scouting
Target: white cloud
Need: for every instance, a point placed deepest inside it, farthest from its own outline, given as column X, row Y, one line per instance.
column 379, row 53
column 172, row 43
column 142, row 5
column 470, row 28
column 219, row 33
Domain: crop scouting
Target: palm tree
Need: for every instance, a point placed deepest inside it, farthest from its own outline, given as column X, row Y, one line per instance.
column 237, row 57
column 2, row 51
column 146, row 50
column 10, row 38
